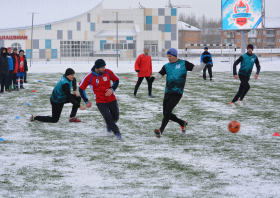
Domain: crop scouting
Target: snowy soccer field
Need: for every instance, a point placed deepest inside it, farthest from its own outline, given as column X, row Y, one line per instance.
column 76, row 160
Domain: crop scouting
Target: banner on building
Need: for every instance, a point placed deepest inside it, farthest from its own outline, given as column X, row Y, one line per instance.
column 241, row 14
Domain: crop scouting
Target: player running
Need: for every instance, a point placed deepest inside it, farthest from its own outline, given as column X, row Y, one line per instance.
column 247, row 62
column 99, row 80
column 176, row 71
column 61, row 95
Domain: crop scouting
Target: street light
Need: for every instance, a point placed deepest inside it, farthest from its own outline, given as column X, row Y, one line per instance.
column 117, row 50
column 31, row 53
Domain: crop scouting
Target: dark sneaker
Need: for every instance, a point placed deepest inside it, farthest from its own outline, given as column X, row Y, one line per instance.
column 25, row 82
column 118, row 136
column 22, row 88
column 158, row 133
column 134, row 96
column 183, row 128
column 74, row 120
column 17, row 89
column 8, row 90
column 151, row 96
column 109, row 131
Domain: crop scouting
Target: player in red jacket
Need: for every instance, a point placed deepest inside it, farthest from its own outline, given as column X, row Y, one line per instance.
column 143, row 67
column 99, row 80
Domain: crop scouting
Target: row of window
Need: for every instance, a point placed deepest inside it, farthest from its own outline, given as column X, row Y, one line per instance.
column 189, row 34
column 76, row 48
column 117, row 21
column 92, row 27
column 252, row 40
column 259, row 32
column 109, row 46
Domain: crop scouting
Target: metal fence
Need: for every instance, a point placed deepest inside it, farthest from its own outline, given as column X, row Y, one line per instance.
column 224, row 56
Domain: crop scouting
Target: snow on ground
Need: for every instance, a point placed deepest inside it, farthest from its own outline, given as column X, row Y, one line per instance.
column 77, row 160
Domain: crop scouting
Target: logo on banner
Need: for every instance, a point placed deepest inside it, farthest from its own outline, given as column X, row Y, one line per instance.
column 241, row 14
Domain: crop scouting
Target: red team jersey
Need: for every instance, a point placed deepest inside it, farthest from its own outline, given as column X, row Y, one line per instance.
column 99, row 84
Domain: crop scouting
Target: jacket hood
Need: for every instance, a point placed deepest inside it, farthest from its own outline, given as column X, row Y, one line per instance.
column 2, row 48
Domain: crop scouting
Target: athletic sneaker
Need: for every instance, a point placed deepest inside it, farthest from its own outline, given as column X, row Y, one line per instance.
column 158, row 133
column 151, row 96
column 17, row 89
column 210, row 79
column 8, row 90
column 32, row 117
column 232, row 104
column 118, row 136
column 134, row 96
column 183, row 128
column 240, row 103
column 74, row 120
column 22, row 88
column 109, row 131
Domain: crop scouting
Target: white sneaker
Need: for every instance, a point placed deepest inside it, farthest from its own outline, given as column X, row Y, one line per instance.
column 32, row 117
column 240, row 103
column 232, row 104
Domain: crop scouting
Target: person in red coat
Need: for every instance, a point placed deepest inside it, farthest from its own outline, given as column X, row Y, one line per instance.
column 143, row 67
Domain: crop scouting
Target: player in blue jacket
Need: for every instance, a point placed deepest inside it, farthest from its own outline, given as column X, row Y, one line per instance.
column 209, row 65
column 247, row 62
column 176, row 71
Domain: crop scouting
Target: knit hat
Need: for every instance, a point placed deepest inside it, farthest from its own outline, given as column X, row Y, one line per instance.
column 14, row 49
column 99, row 63
column 146, row 48
column 8, row 48
column 250, row 46
column 69, row 71
column 173, row 52
column 206, row 48
column 21, row 51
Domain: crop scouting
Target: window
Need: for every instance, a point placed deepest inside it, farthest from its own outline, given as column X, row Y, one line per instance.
column 105, row 21
column 195, row 34
column 264, row 32
column 179, row 34
column 88, row 17
column 225, row 40
column 16, row 45
column 264, row 40
column 238, row 33
column 118, row 22
column 270, row 32
column 131, row 46
column 129, row 21
column 48, row 27
column 107, row 46
column 271, row 40
column 225, row 33
column 259, row 40
column 195, row 41
column 259, row 32
column 78, row 26
column 278, row 32
column 189, row 34
column 278, row 40
column 76, row 48
column 189, row 42
column 252, row 40
column 238, row 40
column 119, row 45
column 124, row 46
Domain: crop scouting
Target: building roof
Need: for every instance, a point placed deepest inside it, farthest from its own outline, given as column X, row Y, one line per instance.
column 184, row 26
column 272, row 22
column 108, row 33
column 14, row 14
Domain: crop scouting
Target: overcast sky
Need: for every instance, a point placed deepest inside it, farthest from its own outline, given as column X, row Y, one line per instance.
column 211, row 8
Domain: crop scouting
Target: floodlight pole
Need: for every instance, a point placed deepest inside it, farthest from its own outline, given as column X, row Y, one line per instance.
column 243, row 40
column 31, row 53
column 117, row 50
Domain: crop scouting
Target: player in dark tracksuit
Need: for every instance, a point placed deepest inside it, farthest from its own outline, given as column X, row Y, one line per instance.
column 176, row 71
column 61, row 95
column 209, row 65
column 247, row 62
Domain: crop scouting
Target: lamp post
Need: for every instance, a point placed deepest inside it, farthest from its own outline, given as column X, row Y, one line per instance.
column 31, row 53
column 117, row 47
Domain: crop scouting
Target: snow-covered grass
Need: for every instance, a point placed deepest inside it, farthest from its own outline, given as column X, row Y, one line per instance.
column 77, row 160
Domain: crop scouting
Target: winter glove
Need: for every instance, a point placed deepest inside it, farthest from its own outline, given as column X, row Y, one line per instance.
column 137, row 70
column 206, row 59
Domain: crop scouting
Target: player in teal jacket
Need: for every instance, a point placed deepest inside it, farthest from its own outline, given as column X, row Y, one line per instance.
column 247, row 62
column 61, row 95
column 176, row 71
